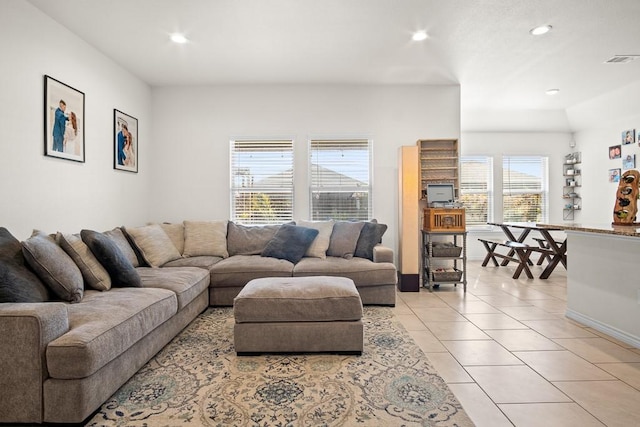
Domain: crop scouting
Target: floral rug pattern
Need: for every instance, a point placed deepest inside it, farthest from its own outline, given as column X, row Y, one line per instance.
column 197, row 380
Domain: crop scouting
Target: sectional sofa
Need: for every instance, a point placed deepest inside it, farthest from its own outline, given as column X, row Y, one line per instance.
column 81, row 313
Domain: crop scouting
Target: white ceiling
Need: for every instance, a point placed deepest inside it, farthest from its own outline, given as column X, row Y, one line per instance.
column 483, row 45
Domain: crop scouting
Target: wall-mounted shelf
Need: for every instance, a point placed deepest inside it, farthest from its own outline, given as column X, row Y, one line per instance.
column 572, row 172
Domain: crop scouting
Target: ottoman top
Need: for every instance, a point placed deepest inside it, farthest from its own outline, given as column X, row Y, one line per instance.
column 298, row 299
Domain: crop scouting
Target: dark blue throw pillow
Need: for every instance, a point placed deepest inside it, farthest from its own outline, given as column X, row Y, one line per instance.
column 290, row 242
column 370, row 235
column 120, row 269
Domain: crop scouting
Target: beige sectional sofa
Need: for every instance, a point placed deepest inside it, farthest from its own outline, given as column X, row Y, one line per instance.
column 60, row 360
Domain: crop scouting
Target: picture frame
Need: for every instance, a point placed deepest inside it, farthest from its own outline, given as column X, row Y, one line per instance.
column 125, row 142
column 614, row 175
column 64, row 121
column 615, row 152
column 629, row 161
column 628, row 136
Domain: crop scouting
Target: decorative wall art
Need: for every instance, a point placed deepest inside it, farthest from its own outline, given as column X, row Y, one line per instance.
column 614, row 152
column 628, row 136
column 125, row 142
column 63, row 121
column 629, row 161
column 614, row 175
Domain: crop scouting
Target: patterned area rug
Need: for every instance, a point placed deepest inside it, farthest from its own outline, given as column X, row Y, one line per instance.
column 197, row 380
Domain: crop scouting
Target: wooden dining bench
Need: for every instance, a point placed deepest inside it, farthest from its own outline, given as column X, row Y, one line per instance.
column 521, row 250
column 544, row 249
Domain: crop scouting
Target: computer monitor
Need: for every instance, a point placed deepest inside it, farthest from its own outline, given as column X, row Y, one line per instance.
column 440, row 193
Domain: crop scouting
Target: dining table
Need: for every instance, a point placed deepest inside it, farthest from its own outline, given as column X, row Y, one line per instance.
column 556, row 250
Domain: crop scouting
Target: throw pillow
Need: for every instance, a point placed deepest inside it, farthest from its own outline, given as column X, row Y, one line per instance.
column 290, row 242
column 54, row 267
column 10, row 247
column 370, row 236
column 176, row 234
column 92, row 271
column 249, row 240
column 121, row 271
column 344, row 239
column 123, row 244
column 18, row 284
column 318, row 248
column 154, row 244
column 207, row 238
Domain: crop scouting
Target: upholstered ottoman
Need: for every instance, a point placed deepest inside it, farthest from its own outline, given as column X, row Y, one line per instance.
column 298, row 315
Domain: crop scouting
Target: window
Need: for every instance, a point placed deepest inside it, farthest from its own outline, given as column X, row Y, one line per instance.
column 340, row 179
column 476, row 189
column 525, row 188
column 261, row 181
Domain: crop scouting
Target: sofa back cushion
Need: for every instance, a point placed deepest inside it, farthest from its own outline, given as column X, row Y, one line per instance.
column 205, row 238
column 249, row 240
column 290, row 242
column 154, row 244
column 175, row 233
column 121, row 271
column 93, row 273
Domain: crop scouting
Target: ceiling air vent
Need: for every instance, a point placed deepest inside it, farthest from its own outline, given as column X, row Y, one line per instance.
column 621, row 59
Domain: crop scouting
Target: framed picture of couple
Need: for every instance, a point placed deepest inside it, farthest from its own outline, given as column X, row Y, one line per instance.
column 63, row 121
column 125, row 142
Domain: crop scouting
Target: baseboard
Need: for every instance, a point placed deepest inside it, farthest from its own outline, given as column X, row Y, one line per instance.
column 603, row 327
column 408, row 282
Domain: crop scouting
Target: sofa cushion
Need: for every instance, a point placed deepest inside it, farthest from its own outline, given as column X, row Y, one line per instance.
column 104, row 325
column 154, row 244
column 186, row 282
column 320, row 244
column 10, row 247
column 290, row 243
column 362, row 271
column 195, row 261
column 18, row 284
column 249, row 240
column 237, row 270
column 205, row 238
column 53, row 266
column 370, row 236
column 344, row 238
column 176, row 234
column 123, row 244
column 93, row 273
column 121, row 271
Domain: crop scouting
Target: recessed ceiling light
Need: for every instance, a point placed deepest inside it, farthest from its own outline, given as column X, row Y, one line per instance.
column 178, row 38
column 538, row 31
column 552, row 91
column 419, row 36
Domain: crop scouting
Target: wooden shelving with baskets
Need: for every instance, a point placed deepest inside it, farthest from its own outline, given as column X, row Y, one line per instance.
column 444, row 258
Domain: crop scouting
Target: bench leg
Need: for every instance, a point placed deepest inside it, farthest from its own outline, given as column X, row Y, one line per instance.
column 490, row 254
column 523, row 256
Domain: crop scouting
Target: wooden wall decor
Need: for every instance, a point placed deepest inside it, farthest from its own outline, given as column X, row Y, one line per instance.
column 626, row 207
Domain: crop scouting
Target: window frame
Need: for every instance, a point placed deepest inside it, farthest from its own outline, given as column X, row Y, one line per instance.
column 490, row 192
column 544, row 183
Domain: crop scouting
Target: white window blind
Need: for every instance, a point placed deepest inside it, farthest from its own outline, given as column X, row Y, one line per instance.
column 261, row 181
column 340, row 179
column 525, row 188
column 476, row 189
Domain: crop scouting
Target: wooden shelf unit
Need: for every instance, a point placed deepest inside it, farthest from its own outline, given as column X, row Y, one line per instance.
column 439, row 164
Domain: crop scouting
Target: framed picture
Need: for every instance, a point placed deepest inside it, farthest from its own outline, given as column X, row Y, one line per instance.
column 614, row 152
column 628, row 136
column 125, row 142
column 63, row 121
column 614, row 175
column 629, row 161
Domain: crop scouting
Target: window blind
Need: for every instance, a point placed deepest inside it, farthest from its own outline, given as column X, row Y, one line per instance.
column 476, row 189
column 525, row 188
column 340, row 179
column 261, row 181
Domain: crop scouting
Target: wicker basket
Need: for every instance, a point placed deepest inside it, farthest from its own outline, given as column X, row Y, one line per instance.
column 448, row 275
column 446, row 251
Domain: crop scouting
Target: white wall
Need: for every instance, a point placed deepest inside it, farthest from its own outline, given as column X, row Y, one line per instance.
column 599, row 123
column 496, row 144
column 193, row 126
column 49, row 193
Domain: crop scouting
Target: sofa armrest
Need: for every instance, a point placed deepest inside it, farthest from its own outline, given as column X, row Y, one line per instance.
column 26, row 328
column 382, row 254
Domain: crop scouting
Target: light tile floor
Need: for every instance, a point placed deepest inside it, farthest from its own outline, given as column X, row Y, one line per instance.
column 511, row 357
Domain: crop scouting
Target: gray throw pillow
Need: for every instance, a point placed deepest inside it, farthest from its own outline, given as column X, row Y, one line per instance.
column 18, row 284
column 94, row 274
column 205, row 238
column 123, row 244
column 54, row 267
column 154, row 244
column 121, row 271
column 290, row 243
column 176, row 234
column 10, row 247
column 370, row 236
column 344, row 239
column 249, row 240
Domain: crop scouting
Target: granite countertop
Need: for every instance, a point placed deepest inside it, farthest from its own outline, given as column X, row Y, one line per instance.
column 619, row 230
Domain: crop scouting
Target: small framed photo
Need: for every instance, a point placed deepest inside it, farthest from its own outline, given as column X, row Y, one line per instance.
column 125, row 142
column 615, row 152
column 63, row 121
column 628, row 136
column 614, row 175
column 629, row 161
